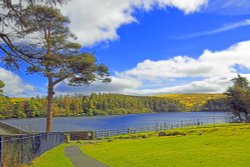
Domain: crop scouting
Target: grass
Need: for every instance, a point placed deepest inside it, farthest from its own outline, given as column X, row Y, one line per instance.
column 223, row 146
column 52, row 158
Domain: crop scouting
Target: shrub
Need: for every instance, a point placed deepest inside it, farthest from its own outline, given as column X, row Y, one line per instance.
column 172, row 133
column 162, row 134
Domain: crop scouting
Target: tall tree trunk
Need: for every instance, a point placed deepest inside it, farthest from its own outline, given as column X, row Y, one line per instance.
column 49, row 106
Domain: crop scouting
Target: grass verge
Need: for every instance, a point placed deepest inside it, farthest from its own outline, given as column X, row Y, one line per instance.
column 52, row 158
column 224, row 146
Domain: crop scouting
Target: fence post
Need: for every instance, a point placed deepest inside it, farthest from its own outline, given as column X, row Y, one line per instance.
column 107, row 133
column 198, row 122
column 214, row 121
column 118, row 131
column 21, row 149
column 1, row 151
column 165, row 125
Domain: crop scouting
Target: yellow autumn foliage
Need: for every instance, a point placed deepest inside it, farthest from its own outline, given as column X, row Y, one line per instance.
column 193, row 101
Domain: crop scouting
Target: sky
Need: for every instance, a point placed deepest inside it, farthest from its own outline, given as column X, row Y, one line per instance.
column 154, row 46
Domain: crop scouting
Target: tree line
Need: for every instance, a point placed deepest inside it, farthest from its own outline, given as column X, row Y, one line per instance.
column 96, row 104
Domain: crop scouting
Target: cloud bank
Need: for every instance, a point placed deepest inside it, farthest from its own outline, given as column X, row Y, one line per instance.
column 211, row 72
column 209, row 64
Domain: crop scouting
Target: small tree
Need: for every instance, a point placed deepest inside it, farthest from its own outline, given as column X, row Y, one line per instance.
column 238, row 98
column 1, row 87
column 54, row 55
column 19, row 110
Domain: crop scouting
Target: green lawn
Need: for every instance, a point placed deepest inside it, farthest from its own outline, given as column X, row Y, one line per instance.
column 225, row 146
column 52, row 158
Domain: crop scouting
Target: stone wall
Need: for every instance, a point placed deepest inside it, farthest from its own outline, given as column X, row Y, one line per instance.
column 81, row 135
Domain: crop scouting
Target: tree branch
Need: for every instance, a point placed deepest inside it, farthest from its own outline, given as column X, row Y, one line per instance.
column 60, row 79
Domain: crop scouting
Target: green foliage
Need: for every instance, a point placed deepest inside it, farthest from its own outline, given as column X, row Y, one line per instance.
column 19, row 110
column 124, row 104
column 6, row 107
column 207, row 146
column 31, row 108
column 241, row 82
column 56, row 57
column 13, row 13
column 239, row 98
column 1, row 87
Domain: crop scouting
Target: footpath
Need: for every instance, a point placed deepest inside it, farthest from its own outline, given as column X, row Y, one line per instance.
column 79, row 159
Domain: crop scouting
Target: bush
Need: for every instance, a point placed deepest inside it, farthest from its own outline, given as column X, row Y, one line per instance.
column 176, row 133
column 172, row 133
column 162, row 134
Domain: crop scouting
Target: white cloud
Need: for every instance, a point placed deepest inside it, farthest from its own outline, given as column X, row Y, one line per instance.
column 14, row 86
column 208, row 65
column 219, row 30
column 96, row 21
column 211, row 85
column 209, row 73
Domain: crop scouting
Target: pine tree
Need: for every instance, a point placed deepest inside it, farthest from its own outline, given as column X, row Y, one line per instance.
column 56, row 57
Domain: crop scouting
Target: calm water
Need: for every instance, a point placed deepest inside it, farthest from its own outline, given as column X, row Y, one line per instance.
column 117, row 121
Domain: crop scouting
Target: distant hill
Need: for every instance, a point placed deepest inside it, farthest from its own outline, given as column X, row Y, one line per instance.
column 197, row 102
column 18, row 99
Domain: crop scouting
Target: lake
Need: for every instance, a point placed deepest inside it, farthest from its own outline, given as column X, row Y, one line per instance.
column 118, row 121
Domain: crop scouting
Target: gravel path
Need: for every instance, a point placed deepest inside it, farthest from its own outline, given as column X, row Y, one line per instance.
column 79, row 159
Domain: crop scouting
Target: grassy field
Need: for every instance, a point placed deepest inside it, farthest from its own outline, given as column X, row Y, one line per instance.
column 52, row 158
column 191, row 101
column 224, row 146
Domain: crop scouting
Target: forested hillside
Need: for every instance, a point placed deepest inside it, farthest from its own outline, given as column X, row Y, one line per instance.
column 197, row 102
column 109, row 104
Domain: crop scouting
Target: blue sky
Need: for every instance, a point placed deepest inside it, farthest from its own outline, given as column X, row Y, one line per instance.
column 155, row 46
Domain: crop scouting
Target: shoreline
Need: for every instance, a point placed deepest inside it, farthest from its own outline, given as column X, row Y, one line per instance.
column 90, row 116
